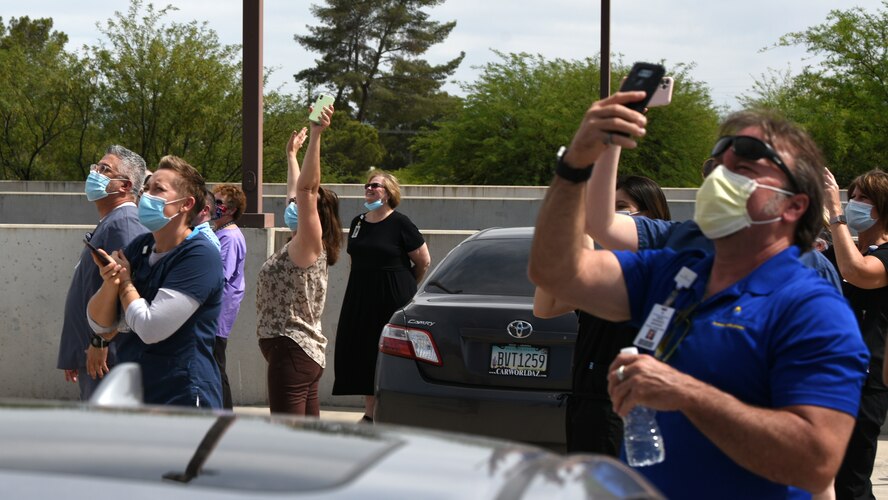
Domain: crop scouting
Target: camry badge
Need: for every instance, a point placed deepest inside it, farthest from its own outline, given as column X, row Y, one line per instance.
column 519, row 329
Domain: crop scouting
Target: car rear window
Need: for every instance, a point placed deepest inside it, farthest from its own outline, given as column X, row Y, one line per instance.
column 485, row 267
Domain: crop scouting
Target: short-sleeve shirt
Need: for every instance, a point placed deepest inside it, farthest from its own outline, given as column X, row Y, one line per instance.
column 112, row 233
column 654, row 234
column 234, row 253
column 179, row 370
column 779, row 337
column 204, row 229
column 383, row 245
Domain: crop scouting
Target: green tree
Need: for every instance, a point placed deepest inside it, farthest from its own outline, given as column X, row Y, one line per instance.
column 521, row 109
column 171, row 89
column 36, row 80
column 839, row 99
column 372, row 60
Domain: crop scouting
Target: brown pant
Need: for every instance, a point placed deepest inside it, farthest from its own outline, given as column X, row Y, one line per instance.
column 293, row 377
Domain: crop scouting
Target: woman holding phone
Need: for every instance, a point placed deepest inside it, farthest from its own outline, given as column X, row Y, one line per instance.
column 292, row 286
column 863, row 267
column 169, row 289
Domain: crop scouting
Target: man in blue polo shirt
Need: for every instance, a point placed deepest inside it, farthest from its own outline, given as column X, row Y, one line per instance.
column 755, row 375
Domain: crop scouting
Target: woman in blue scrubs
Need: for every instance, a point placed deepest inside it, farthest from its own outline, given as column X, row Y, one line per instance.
column 163, row 294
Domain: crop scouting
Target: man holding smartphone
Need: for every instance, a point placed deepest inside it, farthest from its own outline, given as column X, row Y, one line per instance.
column 753, row 372
column 112, row 185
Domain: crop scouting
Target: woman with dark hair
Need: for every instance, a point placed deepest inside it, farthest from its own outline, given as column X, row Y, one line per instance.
column 389, row 257
column 229, row 202
column 590, row 422
column 864, row 270
column 292, row 287
column 169, row 289
column 638, row 194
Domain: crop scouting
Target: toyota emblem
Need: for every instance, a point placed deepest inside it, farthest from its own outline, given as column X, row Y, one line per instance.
column 519, row 329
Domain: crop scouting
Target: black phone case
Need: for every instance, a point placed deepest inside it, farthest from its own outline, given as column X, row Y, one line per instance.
column 643, row 76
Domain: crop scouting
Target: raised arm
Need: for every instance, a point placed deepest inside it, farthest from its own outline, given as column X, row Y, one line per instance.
column 862, row 271
column 308, row 243
column 611, row 230
column 560, row 263
column 293, row 145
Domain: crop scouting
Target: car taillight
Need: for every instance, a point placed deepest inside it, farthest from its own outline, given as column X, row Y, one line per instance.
column 409, row 343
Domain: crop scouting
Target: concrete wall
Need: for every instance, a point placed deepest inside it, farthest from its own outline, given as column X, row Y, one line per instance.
column 428, row 212
column 36, row 273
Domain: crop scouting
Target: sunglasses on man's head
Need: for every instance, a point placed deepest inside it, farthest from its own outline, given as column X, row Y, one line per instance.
column 373, row 185
column 753, row 149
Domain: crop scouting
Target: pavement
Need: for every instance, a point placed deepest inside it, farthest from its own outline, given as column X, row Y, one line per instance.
column 880, row 470
column 349, row 414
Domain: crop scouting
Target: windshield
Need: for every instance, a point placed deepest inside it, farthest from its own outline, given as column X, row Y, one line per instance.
column 485, row 267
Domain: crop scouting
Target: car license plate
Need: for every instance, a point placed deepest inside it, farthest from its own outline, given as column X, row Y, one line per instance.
column 518, row 360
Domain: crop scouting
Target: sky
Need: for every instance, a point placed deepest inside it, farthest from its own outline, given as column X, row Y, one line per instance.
column 724, row 40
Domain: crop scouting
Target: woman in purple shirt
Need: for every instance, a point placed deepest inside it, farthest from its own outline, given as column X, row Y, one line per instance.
column 230, row 204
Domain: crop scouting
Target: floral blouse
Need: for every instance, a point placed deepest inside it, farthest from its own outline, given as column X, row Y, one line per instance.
column 290, row 301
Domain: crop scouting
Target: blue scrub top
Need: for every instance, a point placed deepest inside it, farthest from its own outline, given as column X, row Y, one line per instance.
column 179, row 370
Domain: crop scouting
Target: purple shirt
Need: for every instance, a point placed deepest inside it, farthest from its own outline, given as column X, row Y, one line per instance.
column 233, row 251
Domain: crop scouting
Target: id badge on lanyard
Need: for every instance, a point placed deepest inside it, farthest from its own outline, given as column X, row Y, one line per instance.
column 657, row 322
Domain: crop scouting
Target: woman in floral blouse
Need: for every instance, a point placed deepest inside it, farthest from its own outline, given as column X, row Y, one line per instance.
column 292, row 285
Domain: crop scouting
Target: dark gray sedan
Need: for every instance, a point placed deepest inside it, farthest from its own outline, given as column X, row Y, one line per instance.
column 467, row 354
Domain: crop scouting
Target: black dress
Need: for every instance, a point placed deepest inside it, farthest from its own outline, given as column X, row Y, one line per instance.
column 379, row 283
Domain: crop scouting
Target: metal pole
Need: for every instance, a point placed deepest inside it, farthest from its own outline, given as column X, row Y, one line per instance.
column 605, row 49
column 251, row 156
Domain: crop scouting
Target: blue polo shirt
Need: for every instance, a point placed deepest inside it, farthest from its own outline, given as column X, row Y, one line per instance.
column 781, row 336
column 179, row 370
column 657, row 233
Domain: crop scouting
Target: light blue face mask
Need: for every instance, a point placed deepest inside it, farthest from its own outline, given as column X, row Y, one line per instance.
column 373, row 206
column 858, row 215
column 291, row 216
column 151, row 212
column 97, row 185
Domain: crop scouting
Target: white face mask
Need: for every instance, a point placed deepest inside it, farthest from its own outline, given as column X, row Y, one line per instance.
column 721, row 203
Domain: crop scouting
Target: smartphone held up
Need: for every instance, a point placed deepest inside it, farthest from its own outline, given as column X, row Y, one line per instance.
column 663, row 95
column 646, row 77
column 318, row 107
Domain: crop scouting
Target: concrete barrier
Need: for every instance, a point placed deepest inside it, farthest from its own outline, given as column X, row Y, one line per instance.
column 36, row 273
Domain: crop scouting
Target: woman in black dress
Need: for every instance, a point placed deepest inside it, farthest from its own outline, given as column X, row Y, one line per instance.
column 388, row 258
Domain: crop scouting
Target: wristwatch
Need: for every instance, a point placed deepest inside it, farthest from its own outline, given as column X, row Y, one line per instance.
column 98, row 342
column 566, row 172
column 838, row 219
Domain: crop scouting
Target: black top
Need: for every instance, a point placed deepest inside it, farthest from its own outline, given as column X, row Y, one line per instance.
column 871, row 309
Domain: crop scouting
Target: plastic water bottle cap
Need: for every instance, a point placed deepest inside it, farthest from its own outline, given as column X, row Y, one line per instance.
column 629, row 350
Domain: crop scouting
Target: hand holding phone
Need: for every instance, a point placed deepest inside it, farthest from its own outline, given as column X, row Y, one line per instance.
column 318, row 107
column 95, row 251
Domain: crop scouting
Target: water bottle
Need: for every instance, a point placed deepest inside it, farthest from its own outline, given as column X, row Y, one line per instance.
column 641, row 434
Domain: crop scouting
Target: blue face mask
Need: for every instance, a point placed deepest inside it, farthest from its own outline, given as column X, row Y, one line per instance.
column 151, row 212
column 97, row 185
column 373, row 206
column 220, row 211
column 858, row 215
column 291, row 216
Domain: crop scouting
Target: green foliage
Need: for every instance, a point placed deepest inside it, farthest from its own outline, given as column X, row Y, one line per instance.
column 841, row 99
column 38, row 82
column 524, row 107
column 170, row 89
column 371, row 58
